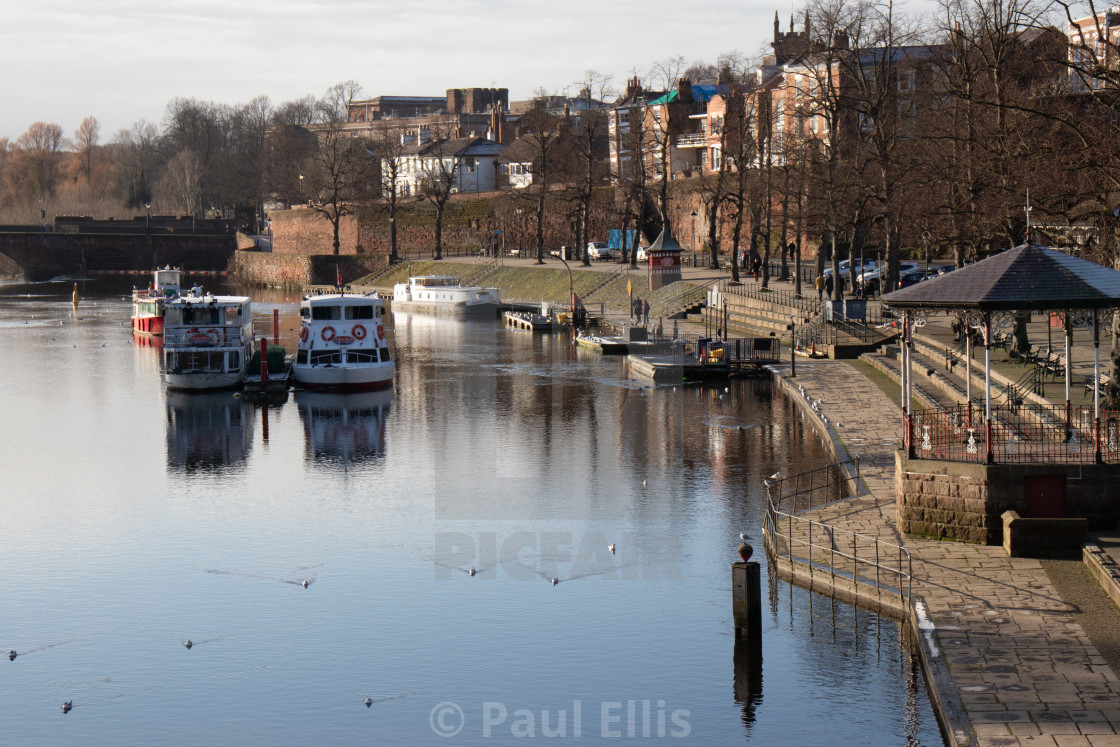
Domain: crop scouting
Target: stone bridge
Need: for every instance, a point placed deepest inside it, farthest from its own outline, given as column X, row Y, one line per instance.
column 37, row 255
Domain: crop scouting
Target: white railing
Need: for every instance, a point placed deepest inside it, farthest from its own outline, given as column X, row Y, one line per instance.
column 201, row 336
column 692, row 140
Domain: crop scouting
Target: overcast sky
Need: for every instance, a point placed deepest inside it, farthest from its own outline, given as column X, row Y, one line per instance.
column 122, row 62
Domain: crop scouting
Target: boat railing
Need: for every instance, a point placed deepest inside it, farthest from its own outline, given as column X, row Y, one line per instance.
column 202, row 336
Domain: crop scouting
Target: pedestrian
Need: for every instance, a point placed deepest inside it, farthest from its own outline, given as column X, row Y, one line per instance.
column 819, row 284
column 645, row 312
column 828, row 286
column 636, row 310
column 756, row 267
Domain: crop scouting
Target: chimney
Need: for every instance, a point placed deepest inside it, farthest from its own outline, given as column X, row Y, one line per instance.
column 496, row 120
column 684, row 91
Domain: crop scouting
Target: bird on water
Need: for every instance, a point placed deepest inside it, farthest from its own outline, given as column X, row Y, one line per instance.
column 188, row 644
column 611, row 548
column 305, row 583
column 12, row 655
column 368, row 701
column 67, row 706
column 555, row 580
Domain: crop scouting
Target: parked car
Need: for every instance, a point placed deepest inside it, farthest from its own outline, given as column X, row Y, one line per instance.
column 870, row 279
column 598, row 250
column 868, row 264
column 912, row 277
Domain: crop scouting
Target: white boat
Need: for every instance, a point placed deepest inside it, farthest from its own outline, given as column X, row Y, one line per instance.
column 342, row 343
column 443, row 293
column 207, row 340
column 147, row 304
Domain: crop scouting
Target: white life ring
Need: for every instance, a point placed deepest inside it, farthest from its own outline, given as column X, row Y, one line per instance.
column 327, row 334
column 359, row 332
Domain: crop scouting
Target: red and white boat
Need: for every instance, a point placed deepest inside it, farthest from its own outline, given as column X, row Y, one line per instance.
column 342, row 343
column 148, row 304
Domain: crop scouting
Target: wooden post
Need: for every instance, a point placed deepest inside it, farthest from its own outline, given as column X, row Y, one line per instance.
column 746, row 605
column 264, row 362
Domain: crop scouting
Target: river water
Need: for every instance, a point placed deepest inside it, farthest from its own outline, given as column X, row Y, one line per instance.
column 133, row 520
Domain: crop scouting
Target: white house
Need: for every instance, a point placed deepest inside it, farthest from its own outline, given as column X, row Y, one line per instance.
column 468, row 162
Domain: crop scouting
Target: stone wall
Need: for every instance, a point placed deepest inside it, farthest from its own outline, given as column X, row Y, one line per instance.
column 962, row 501
column 267, row 268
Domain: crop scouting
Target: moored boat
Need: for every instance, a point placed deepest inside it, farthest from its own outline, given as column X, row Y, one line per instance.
column 444, row 293
column 342, row 343
column 207, row 340
column 147, row 304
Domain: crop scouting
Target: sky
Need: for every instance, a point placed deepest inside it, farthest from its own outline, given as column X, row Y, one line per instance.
column 123, row 62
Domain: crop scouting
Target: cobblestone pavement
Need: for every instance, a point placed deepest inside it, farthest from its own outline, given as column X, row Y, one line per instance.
column 1024, row 669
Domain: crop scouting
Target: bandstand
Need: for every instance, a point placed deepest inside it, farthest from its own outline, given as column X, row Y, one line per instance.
column 962, row 468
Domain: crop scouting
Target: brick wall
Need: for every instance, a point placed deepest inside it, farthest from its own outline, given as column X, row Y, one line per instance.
column 269, row 268
column 303, row 231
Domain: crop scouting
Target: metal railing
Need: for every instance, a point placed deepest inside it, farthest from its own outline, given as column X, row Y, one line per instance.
column 803, row 304
column 1017, row 434
column 202, row 336
column 860, row 563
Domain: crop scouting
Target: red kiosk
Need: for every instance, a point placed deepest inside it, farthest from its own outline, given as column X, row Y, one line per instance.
column 664, row 261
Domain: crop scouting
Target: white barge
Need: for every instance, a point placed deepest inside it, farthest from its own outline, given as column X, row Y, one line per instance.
column 444, row 294
column 342, row 343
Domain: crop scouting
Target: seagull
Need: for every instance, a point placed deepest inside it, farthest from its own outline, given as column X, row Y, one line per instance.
column 776, row 476
column 555, row 580
column 12, row 655
column 472, row 571
column 188, row 644
column 740, row 428
column 368, row 701
column 611, row 548
column 643, row 483
column 767, row 483
column 305, row 583
column 745, row 550
column 67, row 706
column 727, row 389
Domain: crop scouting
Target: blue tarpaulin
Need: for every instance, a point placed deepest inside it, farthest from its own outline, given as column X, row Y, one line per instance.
column 614, row 240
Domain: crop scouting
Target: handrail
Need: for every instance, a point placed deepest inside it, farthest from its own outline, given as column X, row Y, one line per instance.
column 864, row 560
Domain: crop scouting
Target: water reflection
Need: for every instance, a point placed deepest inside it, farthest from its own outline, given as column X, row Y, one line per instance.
column 748, row 678
column 345, row 429
column 207, row 431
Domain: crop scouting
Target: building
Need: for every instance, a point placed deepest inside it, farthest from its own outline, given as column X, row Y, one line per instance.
column 1093, row 47
column 469, row 164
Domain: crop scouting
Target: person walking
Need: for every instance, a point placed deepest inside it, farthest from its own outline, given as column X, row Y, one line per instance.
column 828, row 287
column 819, row 285
column 645, row 312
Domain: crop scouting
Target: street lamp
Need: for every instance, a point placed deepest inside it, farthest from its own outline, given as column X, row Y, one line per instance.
column 392, row 239
column 792, row 347
column 301, row 187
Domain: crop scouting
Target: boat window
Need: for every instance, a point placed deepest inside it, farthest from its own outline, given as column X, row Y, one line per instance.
column 301, row 356
column 201, row 315
column 359, row 312
column 325, row 357
column 304, row 311
column 234, row 360
column 361, row 356
column 325, row 313
column 384, row 355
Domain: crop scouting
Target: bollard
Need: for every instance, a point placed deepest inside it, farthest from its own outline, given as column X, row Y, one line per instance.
column 746, row 604
column 276, row 324
column 264, row 361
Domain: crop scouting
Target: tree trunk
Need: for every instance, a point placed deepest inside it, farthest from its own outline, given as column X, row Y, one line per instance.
column 439, row 232
column 540, row 229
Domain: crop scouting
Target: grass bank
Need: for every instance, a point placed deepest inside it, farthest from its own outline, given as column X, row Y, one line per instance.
column 549, row 283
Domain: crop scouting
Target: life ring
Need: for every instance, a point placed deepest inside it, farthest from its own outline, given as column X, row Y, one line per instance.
column 359, row 332
column 215, row 334
column 303, row 335
column 327, row 334
column 380, row 332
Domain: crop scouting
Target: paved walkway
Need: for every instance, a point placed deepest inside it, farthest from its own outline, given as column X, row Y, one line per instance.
column 1024, row 670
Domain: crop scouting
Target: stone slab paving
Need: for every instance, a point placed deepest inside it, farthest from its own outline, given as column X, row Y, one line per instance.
column 1023, row 670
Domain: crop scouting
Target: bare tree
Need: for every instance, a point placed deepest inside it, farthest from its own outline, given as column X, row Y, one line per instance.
column 389, row 145
column 181, row 182
column 40, row 153
column 589, row 132
column 339, row 165
column 85, row 141
column 542, row 132
column 440, row 170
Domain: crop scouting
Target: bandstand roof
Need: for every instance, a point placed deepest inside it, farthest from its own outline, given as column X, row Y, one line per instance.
column 1028, row 277
column 664, row 243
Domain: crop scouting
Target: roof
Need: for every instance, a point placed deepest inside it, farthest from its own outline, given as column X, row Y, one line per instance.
column 521, row 150
column 664, row 243
column 1028, row 277
column 459, row 146
column 700, row 94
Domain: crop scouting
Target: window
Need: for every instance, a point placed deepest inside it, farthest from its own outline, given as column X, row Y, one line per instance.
column 470, row 164
column 325, row 357
column 384, row 355
column 325, row 313
column 717, row 158
column 359, row 312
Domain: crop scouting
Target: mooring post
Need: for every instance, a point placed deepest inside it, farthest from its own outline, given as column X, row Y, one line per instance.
column 746, row 603
column 264, row 361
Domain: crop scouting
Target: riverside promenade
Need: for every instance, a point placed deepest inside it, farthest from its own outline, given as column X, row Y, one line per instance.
column 1018, row 651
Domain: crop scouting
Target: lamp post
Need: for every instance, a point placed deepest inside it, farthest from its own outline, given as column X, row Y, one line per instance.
column 392, row 239
column 792, row 346
column 692, row 237
column 301, row 188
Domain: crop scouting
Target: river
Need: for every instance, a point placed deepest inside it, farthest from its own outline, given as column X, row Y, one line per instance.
column 134, row 520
